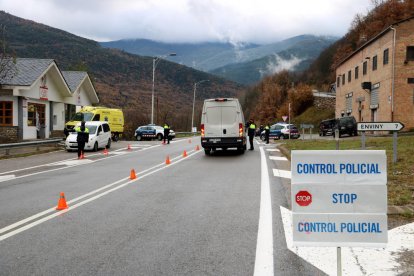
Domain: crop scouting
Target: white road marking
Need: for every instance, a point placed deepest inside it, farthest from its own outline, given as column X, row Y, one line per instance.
column 37, row 222
column 75, row 162
column 273, row 150
column 278, row 158
column 282, row 173
column 263, row 264
column 356, row 260
column 7, row 177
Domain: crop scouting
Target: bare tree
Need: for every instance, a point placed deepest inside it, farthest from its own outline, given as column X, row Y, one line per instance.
column 7, row 61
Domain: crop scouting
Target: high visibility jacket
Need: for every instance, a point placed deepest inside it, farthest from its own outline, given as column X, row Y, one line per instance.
column 166, row 126
column 83, row 136
column 252, row 128
column 266, row 127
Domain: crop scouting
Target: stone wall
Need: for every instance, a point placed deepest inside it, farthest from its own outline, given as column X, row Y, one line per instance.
column 9, row 134
column 323, row 103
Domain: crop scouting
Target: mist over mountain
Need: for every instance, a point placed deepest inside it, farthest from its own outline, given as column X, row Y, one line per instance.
column 245, row 63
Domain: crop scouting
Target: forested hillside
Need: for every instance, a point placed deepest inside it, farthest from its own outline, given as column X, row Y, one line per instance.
column 121, row 79
column 269, row 99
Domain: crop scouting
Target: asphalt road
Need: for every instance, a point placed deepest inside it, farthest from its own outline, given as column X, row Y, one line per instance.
column 197, row 216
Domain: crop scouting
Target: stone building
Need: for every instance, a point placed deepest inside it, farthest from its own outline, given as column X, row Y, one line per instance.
column 376, row 82
column 36, row 99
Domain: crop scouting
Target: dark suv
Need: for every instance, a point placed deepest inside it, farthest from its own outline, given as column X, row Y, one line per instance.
column 326, row 127
column 346, row 125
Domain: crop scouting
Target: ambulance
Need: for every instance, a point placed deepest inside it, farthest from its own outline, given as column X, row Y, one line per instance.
column 114, row 117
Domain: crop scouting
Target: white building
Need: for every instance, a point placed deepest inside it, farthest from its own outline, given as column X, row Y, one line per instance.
column 36, row 99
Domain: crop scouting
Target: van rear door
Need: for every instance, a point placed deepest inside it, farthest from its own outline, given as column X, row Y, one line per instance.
column 221, row 119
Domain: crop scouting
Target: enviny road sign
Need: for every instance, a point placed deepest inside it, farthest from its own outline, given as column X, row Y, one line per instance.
column 380, row 126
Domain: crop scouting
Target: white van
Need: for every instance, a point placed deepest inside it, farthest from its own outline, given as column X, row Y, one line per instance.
column 222, row 125
column 99, row 137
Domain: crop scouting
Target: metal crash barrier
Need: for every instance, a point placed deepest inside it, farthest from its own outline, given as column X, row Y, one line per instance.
column 6, row 148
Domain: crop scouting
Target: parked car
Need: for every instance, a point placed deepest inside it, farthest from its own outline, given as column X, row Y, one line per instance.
column 99, row 137
column 326, row 127
column 281, row 131
column 346, row 125
column 151, row 131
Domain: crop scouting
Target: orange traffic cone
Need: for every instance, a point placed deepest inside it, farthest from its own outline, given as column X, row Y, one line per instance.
column 197, row 147
column 132, row 175
column 62, row 202
column 184, row 154
column 105, row 152
column 129, row 147
column 82, row 156
column 167, row 160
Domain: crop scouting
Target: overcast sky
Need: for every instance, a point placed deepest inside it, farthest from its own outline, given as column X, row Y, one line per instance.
column 257, row 21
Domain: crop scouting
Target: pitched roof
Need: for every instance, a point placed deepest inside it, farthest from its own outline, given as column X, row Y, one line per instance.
column 25, row 71
column 74, row 78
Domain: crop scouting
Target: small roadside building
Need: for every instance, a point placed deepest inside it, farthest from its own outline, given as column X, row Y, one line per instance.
column 36, row 99
column 376, row 82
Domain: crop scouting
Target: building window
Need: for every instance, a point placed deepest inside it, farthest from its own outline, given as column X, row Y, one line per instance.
column 35, row 114
column 6, row 113
column 410, row 53
column 349, row 76
column 410, row 80
column 338, row 81
column 356, row 72
column 364, row 68
column 348, row 102
column 343, row 79
column 374, row 63
column 385, row 57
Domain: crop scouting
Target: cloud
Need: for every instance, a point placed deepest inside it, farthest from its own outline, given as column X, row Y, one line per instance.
column 279, row 64
column 258, row 21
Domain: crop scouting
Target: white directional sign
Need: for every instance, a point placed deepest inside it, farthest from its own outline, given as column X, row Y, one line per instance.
column 378, row 126
column 339, row 198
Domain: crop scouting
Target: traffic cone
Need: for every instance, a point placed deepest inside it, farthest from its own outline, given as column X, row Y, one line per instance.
column 167, row 160
column 197, row 147
column 189, row 141
column 82, row 156
column 132, row 175
column 62, row 202
column 105, row 152
column 184, row 154
column 129, row 147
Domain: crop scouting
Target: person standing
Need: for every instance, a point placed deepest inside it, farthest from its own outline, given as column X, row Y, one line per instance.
column 267, row 133
column 166, row 133
column 82, row 138
column 250, row 133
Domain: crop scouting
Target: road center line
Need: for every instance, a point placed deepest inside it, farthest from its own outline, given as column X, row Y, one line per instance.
column 49, row 217
column 264, row 249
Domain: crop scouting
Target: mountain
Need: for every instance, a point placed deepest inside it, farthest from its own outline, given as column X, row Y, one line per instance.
column 296, row 56
column 121, row 79
column 244, row 63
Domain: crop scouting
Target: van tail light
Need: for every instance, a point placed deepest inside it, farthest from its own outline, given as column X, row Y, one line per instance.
column 202, row 130
column 240, row 130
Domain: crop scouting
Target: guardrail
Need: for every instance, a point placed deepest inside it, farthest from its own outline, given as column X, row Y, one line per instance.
column 37, row 143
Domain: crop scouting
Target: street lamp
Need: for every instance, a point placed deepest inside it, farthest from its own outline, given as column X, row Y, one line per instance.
column 195, row 87
column 155, row 61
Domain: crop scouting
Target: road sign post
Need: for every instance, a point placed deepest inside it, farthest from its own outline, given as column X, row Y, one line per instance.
column 381, row 126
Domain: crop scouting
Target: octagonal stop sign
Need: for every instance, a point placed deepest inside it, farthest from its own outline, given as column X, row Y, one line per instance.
column 303, row 198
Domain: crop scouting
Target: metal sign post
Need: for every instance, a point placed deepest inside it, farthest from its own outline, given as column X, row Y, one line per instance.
column 338, row 262
column 382, row 126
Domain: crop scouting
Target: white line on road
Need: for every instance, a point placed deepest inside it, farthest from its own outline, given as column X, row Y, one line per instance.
column 278, row 158
column 282, row 173
column 273, row 150
column 30, row 225
column 7, row 177
column 263, row 264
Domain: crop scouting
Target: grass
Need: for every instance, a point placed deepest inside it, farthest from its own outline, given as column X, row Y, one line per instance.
column 400, row 174
column 314, row 116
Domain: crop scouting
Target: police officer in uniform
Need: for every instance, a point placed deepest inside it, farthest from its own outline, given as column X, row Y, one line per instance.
column 82, row 138
column 267, row 133
column 166, row 132
column 250, row 133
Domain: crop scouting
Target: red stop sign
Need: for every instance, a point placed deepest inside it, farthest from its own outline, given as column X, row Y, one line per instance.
column 303, row 198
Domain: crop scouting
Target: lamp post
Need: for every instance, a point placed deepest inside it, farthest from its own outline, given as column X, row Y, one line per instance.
column 195, row 87
column 155, row 61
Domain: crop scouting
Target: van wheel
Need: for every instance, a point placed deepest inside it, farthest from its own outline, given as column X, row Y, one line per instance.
column 95, row 146
column 108, row 146
column 159, row 136
column 207, row 151
column 139, row 137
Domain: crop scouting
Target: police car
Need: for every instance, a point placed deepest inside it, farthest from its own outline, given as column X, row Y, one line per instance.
column 150, row 132
column 281, row 131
